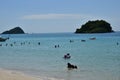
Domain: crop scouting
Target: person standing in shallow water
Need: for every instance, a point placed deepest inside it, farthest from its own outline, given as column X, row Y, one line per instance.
column 117, row 43
column 71, row 66
column 38, row 43
column 57, row 46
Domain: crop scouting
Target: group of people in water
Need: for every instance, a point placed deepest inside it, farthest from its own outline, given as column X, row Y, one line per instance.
column 16, row 43
column 67, row 56
column 69, row 65
column 57, row 46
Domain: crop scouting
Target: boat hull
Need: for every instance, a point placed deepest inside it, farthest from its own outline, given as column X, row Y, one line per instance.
column 3, row 39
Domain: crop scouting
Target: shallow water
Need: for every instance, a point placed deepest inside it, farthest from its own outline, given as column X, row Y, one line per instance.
column 96, row 59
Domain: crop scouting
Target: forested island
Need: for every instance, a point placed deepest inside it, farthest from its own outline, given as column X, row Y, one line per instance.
column 97, row 26
column 16, row 30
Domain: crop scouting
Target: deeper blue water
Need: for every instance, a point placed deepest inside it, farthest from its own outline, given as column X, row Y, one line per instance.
column 96, row 59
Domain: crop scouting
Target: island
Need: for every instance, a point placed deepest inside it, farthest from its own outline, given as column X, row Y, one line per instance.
column 97, row 26
column 16, row 30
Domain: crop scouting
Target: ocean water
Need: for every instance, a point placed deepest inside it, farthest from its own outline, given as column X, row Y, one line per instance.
column 96, row 59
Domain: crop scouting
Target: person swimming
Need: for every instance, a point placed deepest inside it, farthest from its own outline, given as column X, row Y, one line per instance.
column 71, row 66
column 117, row 43
column 67, row 56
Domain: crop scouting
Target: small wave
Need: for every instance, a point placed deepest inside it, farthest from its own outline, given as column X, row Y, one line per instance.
column 50, row 78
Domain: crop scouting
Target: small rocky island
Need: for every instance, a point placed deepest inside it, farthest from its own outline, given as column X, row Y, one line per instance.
column 16, row 30
column 97, row 26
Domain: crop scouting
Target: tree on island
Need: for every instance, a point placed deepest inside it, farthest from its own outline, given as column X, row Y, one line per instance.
column 97, row 26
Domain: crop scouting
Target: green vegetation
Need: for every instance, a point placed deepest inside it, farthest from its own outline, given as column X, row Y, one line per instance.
column 16, row 30
column 98, row 26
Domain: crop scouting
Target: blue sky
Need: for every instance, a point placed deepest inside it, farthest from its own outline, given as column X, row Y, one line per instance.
column 49, row 16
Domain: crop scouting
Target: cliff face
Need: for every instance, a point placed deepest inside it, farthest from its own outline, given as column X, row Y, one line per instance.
column 16, row 30
column 98, row 26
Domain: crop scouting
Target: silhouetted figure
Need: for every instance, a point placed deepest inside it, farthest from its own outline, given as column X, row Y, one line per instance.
column 21, row 43
column 38, row 43
column 55, row 46
column 70, row 66
column 58, row 46
column 11, row 45
column 67, row 56
column 71, row 41
column 117, row 43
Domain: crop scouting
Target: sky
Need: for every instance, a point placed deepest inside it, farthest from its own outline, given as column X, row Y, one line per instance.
column 51, row 16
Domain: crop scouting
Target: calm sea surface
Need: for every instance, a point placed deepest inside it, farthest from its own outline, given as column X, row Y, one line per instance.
column 35, row 54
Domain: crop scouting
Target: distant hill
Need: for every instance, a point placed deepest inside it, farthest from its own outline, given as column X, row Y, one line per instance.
column 16, row 30
column 98, row 26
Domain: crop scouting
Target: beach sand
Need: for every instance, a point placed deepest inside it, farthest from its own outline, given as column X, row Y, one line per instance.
column 13, row 75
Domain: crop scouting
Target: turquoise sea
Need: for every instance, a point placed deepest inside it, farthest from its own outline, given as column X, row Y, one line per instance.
column 35, row 54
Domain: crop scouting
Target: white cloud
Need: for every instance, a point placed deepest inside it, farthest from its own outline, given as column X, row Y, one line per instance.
column 52, row 16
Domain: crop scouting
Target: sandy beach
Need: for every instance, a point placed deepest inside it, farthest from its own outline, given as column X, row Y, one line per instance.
column 12, row 75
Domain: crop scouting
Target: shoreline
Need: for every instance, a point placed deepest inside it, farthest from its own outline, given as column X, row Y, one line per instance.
column 6, row 74
column 14, row 75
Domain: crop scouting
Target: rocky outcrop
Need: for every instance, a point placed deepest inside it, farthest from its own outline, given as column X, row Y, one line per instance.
column 16, row 30
column 98, row 26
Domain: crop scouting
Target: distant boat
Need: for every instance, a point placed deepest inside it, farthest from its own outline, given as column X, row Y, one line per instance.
column 93, row 38
column 83, row 40
column 3, row 39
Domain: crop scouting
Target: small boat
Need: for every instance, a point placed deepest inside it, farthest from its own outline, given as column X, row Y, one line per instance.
column 3, row 39
column 83, row 40
column 93, row 38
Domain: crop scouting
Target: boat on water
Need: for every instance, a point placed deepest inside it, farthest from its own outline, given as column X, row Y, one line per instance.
column 3, row 39
column 93, row 38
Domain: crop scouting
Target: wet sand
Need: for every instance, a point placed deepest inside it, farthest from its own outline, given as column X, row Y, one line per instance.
column 13, row 75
